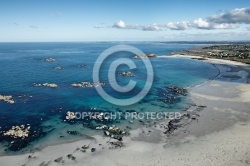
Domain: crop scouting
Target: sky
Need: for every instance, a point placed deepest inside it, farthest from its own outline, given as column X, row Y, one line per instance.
column 124, row 20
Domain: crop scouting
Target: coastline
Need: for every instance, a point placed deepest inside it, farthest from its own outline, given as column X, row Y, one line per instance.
column 199, row 143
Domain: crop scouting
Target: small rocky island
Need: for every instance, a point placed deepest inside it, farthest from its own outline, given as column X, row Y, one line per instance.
column 172, row 94
column 114, row 132
column 52, row 85
column 87, row 84
column 70, row 115
column 49, row 60
column 178, row 90
column 58, row 68
column 7, row 99
column 18, row 132
column 127, row 74
column 145, row 56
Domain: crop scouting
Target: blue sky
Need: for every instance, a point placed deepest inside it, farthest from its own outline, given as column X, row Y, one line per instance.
column 119, row 20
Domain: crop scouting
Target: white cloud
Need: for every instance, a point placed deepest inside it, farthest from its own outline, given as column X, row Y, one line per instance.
column 151, row 28
column 228, row 20
column 236, row 16
column 119, row 24
column 200, row 23
column 224, row 26
column 122, row 25
column 178, row 25
column 204, row 24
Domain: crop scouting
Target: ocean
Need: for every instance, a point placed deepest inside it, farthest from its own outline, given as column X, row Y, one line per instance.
column 44, row 108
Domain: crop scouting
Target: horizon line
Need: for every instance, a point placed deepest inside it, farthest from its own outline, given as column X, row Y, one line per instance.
column 91, row 41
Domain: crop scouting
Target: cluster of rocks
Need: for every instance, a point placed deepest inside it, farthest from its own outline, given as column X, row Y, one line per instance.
column 18, row 132
column 58, row 68
column 46, row 85
column 178, row 90
column 112, row 131
column 201, row 58
column 70, row 156
column 171, row 99
column 70, row 115
column 87, row 84
column 82, row 66
column 171, row 94
column 58, row 160
column 99, row 117
column 187, row 117
column 115, row 132
column 116, row 144
column 145, row 56
column 49, row 60
column 85, row 147
column 127, row 74
column 101, row 127
column 7, row 99
column 72, row 132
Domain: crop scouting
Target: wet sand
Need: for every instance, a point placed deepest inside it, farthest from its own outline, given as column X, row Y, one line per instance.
column 219, row 136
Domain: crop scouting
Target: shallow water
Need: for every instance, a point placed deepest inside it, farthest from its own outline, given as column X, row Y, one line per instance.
column 22, row 64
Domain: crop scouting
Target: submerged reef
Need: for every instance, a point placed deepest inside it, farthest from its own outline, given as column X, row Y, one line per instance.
column 171, row 94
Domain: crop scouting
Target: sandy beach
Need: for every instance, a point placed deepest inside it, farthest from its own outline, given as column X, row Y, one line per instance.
column 219, row 136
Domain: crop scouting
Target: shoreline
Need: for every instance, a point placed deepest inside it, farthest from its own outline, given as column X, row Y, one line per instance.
column 211, row 60
column 217, row 121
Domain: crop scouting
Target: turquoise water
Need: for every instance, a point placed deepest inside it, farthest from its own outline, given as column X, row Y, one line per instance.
column 22, row 64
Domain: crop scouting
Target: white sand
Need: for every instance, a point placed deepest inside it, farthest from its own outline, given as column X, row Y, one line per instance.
column 227, row 147
column 220, row 137
column 212, row 60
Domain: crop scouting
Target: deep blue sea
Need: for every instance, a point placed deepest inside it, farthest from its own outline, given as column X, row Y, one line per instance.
column 22, row 64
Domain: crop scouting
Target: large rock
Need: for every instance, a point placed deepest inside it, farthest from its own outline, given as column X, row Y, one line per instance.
column 145, row 56
column 18, row 132
column 49, row 60
column 127, row 74
column 87, row 84
column 70, row 115
column 46, row 85
column 7, row 99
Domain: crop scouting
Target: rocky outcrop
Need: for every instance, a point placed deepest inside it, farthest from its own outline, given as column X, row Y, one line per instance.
column 70, row 115
column 18, row 132
column 87, row 84
column 178, row 90
column 46, row 85
column 145, row 56
column 112, row 131
column 58, row 68
column 171, row 94
column 191, row 114
column 127, row 74
column 49, row 60
column 151, row 55
column 7, row 99
column 117, row 144
column 50, row 85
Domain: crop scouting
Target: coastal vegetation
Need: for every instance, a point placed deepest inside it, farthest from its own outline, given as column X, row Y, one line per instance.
column 233, row 52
